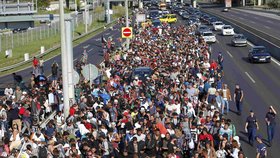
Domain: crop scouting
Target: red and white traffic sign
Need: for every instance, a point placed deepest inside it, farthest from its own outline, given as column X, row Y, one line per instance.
column 127, row 32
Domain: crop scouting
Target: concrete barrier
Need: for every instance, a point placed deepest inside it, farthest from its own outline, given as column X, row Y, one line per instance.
column 255, row 36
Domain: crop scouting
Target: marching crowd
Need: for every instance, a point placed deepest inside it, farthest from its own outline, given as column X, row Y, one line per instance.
column 179, row 110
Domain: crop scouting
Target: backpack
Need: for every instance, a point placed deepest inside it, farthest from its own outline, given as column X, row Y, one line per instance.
column 42, row 152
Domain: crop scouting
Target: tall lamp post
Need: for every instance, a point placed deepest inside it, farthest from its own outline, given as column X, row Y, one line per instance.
column 126, row 21
column 64, row 60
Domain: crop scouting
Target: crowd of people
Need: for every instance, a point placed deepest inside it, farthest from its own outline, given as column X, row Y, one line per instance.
column 178, row 110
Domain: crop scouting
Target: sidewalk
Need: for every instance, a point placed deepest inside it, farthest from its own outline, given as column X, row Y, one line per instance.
column 261, row 12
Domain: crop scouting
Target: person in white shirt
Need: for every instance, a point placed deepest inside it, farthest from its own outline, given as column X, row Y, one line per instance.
column 140, row 136
column 9, row 91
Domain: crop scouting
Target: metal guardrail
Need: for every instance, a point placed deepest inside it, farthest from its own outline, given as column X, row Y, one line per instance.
column 51, row 49
column 254, row 35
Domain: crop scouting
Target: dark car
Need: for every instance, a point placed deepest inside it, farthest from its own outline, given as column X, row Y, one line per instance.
column 201, row 29
column 156, row 23
column 259, row 54
column 154, row 14
column 141, row 73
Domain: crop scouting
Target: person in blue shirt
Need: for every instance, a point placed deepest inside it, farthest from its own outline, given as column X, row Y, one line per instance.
column 261, row 148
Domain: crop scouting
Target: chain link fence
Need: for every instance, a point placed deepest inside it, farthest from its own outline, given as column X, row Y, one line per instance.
column 46, row 35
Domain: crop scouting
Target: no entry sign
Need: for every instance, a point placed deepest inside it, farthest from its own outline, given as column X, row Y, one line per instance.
column 126, row 32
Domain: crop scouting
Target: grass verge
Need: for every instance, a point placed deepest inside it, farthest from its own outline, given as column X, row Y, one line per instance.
column 57, row 51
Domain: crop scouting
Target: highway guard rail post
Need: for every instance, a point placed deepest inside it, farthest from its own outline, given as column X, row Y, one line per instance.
column 54, row 48
column 255, row 36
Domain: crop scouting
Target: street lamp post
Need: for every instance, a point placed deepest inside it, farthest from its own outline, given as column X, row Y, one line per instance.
column 126, row 21
column 64, row 60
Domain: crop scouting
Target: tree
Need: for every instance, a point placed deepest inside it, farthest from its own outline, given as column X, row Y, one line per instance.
column 43, row 4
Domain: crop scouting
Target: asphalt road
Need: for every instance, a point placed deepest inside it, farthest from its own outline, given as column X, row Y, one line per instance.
column 93, row 47
column 261, row 89
column 260, row 83
column 262, row 23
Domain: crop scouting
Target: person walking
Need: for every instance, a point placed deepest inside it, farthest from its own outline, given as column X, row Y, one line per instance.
column 226, row 98
column 251, row 127
column 261, row 148
column 270, row 122
column 238, row 98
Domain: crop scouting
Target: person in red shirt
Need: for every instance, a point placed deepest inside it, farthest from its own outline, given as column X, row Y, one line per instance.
column 213, row 65
column 73, row 110
column 35, row 62
column 203, row 137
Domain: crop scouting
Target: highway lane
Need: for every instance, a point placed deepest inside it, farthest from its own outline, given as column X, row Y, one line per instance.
column 260, row 85
column 262, row 23
column 93, row 47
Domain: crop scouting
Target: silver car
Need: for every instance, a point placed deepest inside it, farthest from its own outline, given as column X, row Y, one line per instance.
column 239, row 40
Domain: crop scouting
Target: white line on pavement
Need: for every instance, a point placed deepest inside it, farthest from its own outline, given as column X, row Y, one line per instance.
column 269, row 21
column 252, row 22
column 267, row 27
column 241, row 18
column 229, row 54
column 251, row 78
column 90, row 50
column 107, row 33
column 275, row 61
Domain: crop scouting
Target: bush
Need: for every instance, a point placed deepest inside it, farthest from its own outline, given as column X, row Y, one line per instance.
column 118, row 11
column 274, row 4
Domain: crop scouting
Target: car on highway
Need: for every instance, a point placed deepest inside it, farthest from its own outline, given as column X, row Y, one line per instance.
column 156, row 23
column 147, row 23
column 218, row 25
column 153, row 14
column 259, row 54
column 201, row 29
column 227, row 30
column 141, row 73
column 169, row 18
column 211, row 20
column 239, row 40
column 209, row 37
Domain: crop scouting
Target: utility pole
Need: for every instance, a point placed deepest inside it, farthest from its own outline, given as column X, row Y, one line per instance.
column 69, row 50
column 126, row 21
column 64, row 60
column 108, row 11
column 86, row 17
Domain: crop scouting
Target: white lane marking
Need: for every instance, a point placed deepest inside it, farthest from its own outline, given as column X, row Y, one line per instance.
column 251, row 78
column 251, row 44
column 86, row 46
column 229, row 54
column 267, row 27
column 241, row 18
column 252, row 22
column 75, row 59
column 269, row 21
column 275, row 61
column 98, row 39
column 90, row 50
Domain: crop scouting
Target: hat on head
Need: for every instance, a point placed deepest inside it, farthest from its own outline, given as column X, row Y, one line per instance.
column 251, row 111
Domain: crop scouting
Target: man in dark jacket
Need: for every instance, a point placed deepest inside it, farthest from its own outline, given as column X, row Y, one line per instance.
column 135, row 149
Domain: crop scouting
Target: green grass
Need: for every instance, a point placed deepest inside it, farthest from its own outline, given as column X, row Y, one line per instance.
column 53, row 53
